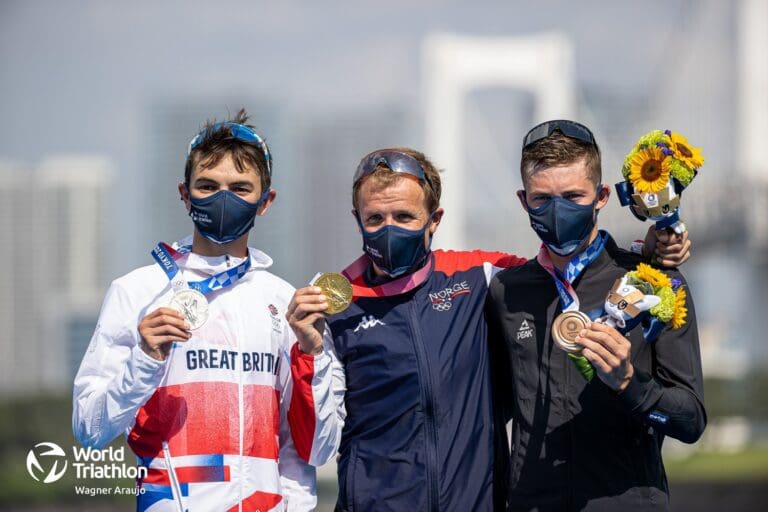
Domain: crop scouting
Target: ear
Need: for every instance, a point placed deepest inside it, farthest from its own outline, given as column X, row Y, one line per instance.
column 267, row 202
column 435, row 220
column 603, row 194
column 357, row 219
column 184, row 195
column 521, row 197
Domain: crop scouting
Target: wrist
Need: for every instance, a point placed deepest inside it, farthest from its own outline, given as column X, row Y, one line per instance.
column 627, row 379
column 310, row 348
column 154, row 353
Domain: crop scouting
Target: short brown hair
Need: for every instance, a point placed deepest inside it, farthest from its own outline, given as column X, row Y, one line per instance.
column 218, row 141
column 558, row 149
column 384, row 177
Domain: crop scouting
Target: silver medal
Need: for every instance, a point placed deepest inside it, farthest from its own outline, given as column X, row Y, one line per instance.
column 193, row 305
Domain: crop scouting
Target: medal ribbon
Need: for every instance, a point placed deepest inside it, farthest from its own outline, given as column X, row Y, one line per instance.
column 398, row 286
column 568, row 298
column 166, row 257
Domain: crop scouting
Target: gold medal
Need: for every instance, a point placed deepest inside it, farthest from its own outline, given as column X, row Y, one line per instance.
column 565, row 329
column 337, row 290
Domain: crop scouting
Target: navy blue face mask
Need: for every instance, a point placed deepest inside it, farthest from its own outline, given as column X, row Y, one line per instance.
column 563, row 225
column 224, row 216
column 395, row 250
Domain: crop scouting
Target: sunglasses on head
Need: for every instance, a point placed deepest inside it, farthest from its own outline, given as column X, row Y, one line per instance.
column 238, row 131
column 570, row 129
column 392, row 160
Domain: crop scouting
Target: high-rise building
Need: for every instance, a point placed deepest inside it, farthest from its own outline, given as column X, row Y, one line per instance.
column 53, row 260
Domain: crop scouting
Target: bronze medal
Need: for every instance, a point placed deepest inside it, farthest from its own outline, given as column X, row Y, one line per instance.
column 566, row 327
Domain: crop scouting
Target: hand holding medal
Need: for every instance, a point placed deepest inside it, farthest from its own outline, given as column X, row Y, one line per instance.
column 328, row 294
column 643, row 295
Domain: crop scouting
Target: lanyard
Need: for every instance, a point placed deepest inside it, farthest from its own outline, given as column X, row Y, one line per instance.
column 400, row 285
column 166, row 257
column 568, row 298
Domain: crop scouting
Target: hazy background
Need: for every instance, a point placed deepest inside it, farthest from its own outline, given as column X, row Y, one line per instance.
column 99, row 99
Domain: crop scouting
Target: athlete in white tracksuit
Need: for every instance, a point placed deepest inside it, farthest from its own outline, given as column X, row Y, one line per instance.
column 204, row 410
column 217, row 404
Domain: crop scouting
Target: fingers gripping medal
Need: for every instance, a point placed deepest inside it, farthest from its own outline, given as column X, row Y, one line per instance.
column 337, row 290
column 193, row 305
column 189, row 297
column 565, row 329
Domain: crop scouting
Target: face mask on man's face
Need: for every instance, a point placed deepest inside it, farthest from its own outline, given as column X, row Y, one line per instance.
column 396, row 250
column 224, row 216
column 564, row 225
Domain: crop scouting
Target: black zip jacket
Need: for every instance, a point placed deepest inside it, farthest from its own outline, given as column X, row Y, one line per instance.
column 579, row 445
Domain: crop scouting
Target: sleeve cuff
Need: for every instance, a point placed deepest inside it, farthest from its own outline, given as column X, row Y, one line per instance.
column 309, row 357
column 637, row 391
column 146, row 362
column 637, row 247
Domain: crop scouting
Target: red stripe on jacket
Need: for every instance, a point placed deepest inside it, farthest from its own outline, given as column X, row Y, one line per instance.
column 200, row 418
column 450, row 262
column 301, row 415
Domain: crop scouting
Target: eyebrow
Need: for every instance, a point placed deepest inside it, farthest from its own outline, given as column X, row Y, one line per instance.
column 204, row 180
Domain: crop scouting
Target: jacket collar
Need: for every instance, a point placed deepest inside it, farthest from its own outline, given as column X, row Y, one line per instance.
column 211, row 265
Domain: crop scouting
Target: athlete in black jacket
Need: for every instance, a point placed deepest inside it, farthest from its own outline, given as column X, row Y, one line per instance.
column 579, row 445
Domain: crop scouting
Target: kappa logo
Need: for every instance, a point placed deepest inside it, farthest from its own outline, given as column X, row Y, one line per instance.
column 367, row 322
column 442, row 300
column 525, row 331
column 54, row 454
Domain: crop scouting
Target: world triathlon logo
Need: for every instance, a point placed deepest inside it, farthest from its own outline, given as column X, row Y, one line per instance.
column 44, row 461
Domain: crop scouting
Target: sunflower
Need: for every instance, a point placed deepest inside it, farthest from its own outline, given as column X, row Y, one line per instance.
column 684, row 152
column 626, row 167
column 649, row 170
column 656, row 278
column 678, row 317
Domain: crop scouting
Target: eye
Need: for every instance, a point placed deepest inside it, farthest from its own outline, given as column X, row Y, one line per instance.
column 373, row 219
column 573, row 196
column 404, row 217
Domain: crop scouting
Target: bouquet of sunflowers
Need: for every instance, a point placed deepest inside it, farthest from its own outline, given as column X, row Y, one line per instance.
column 656, row 171
column 642, row 295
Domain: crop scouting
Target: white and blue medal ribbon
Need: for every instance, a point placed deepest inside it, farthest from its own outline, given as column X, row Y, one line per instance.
column 189, row 296
column 566, row 326
column 568, row 298
column 166, row 257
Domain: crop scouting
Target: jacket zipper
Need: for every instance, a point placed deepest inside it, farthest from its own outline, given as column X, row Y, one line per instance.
column 241, row 422
column 428, row 401
column 571, row 455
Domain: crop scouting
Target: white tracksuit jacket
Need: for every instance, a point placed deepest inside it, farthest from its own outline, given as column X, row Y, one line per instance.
column 215, row 411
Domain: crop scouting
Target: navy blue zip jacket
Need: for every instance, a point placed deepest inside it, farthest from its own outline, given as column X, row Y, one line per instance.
column 419, row 431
